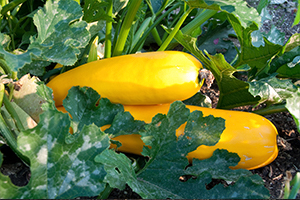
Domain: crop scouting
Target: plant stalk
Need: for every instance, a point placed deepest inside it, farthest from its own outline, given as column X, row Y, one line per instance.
column 106, row 192
column 11, row 6
column 13, row 113
column 175, row 30
column 132, row 10
column 198, row 21
column 11, row 141
column 156, row 36
column 194, row 24
column 271, row 110
column 9, row 137
column 108, row 31
column 145, row 35
column 6, row 68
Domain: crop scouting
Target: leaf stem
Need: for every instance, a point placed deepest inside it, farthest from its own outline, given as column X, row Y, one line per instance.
column 198, row 21
column 2, row 92
column 154, row 30
column 145, row 35
column 132, row 10
column 7, row 134
column 143, row 27
column 13, row 113
column 175, row 30
column 106, row 192
column 6, row 68
column 11, row 6
column 108, row 31
column 11, row 141
column 271, row 110
column 156, row 36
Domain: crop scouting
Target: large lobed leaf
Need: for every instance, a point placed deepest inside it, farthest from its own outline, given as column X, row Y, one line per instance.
column 59, row 29
column 58, row 169
column 160, row 178
column 238, row 8
column 84, row 106
column 233, row 92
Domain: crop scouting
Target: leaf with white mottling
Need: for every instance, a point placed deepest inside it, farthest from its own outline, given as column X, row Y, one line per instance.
column 60, row 37
column 81, row 104
column 61, row 34
column 239, row 8
column 15, row 61
column 272, row 89
column 58, row 169
column 293, row 106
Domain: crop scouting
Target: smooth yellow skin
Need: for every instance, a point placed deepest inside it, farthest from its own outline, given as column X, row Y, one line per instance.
column 251, row 136
column 135, row 79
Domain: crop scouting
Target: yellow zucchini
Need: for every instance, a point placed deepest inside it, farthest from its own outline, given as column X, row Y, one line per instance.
column 135, row 79
column 251, row 136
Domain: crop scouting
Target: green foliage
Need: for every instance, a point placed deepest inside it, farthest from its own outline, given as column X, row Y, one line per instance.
column 63, row 165
column 160, row 178
column 59, row 169
column 52, row 149
column 237, row 8
column 58, row 29
column 297, row 18
column 292, row 187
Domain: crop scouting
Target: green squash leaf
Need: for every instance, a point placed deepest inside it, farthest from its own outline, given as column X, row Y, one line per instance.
column 58, row 169
column 233, row 92
column 160, row 178
column 239, row 8
column 293, row 106
column 59, row 29
column 81, row 104
column 272, row 90
column 255, row 57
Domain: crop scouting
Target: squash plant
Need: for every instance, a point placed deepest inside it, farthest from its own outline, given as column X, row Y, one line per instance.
column 34, row 39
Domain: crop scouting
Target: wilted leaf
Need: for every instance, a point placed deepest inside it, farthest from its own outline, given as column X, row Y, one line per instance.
column 25, row 96
column 272, row 90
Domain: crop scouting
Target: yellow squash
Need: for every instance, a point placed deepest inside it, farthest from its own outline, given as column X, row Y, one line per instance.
column 135, row 79
column 251, row 136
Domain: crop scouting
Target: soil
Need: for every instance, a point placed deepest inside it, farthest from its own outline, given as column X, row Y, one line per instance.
column 274, row 175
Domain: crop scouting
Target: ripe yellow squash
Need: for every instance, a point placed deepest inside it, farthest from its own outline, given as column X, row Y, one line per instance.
column 251, row 136
column 135, row 79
